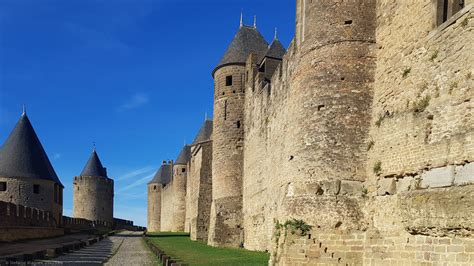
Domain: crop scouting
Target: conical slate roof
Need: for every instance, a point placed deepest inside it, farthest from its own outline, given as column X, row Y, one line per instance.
column 23, row 156
column 276, row 50
column 205, row 133
column 163, row 175
column 94, row 166
column 184, row 156
column 247, row 40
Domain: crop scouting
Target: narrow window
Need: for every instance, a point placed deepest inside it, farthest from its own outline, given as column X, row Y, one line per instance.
column 225, row 110
column 183, row 170
column 36, row 189
column 446, row 9
column 228, row 81
column 3, row 186
column 154, row 187
column 238, row 124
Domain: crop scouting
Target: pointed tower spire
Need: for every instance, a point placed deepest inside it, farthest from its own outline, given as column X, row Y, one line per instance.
column 276, row 34
column 241, row 18
column 24, row 110
column 93, row 146
column 94, row 166
column 205, row 116
column 255, row 21
column 23, row 156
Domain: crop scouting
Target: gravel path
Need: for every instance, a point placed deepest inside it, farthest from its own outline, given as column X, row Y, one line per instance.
column 124, row 248
column 131, row 250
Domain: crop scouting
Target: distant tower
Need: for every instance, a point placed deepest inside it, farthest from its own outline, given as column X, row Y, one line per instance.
column 199, row 184
column 228, row 133
column 155, row 186
column 180, row 171
column 94, row 192
column 26, row 175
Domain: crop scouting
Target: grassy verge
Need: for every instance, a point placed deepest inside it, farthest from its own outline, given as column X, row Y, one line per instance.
column 179, row 245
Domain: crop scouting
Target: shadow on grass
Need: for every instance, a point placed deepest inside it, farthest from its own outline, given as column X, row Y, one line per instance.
column 167, row 234
column 162, row 236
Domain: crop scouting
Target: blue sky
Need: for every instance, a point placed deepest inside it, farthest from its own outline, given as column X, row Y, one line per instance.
column 134, row 76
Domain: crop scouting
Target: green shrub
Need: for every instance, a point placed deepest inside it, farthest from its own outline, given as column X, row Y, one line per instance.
column 370, row 145
column 434, row 55
column 406, row 71
column 421, row 105
column 378, row 167
column 295, row 225
column 378, row 123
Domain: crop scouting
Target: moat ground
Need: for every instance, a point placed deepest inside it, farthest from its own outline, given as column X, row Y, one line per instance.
column 180, row 246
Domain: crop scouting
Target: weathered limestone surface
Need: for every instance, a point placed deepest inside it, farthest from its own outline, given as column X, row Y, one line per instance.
column 199, row 191
column 167, row 208
column 154, row 208
column 365, row 131
column 20, row 191
column 225, row 227
column 417, row 195
column 93, row 198
column 173, row 201
column 305, row 132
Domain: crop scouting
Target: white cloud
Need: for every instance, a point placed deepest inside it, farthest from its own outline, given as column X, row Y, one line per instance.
column 137, row 172
column 137, row 183
column 136, row 101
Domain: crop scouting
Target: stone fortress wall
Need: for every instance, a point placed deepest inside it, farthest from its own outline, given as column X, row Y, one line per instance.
column 93, row 198
column 47, row 197
column 227, row 148
column 154, row 208
column 19, row 222
column 173, row 201
column 199, row 191
column 364, row 131
column 414, row 204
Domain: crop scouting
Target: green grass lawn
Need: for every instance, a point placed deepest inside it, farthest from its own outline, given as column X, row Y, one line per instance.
column 180, row 246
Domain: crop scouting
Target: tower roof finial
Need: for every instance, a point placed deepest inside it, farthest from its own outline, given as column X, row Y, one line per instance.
column 241, row 18
column 24, row 110
column 93, row 146
column 205, row 116
column 255, row 21
column 276, row 34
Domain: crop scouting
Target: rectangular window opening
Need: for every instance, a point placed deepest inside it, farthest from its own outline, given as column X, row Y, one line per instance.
column 228, row 81
column 3, row 186
column 225, row 110
column 445, row 9
column 36, row 189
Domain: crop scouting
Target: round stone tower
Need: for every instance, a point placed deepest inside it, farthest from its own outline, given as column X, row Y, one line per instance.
column 26, row 175
column 331, row 96
column 228, row 133
column 180, row 171
column 155, row 186
column 94, row 192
